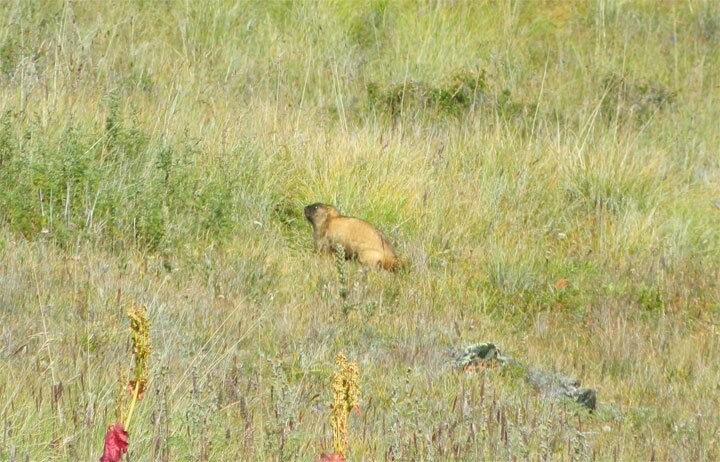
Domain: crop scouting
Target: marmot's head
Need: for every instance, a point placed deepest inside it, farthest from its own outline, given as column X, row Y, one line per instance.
column 317, row 213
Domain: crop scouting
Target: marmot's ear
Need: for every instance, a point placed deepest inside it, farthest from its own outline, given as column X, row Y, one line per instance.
column 332, row 211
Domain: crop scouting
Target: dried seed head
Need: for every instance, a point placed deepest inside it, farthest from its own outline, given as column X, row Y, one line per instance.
column 140, row 331
column 346, row 392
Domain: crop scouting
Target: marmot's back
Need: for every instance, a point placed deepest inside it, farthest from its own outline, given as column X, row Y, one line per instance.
column 359, row 238
column 362, row 240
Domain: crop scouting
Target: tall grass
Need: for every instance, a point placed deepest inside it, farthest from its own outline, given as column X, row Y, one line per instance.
column 161, row 153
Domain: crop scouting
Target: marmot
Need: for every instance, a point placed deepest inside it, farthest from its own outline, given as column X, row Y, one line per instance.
column 359, row 238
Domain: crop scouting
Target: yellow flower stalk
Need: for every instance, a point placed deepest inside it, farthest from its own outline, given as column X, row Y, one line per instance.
column 346, row 392
column 140, row 333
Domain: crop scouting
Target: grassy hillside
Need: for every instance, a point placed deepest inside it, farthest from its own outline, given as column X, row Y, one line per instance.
column 548, row 171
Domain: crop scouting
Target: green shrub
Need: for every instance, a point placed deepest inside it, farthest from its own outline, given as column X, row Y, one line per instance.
column 459, row 93
column 629, row 99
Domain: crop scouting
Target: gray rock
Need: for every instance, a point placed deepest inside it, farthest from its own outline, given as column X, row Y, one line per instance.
column 556, row 385
column 587, row 397
column 480, row 354
column 550, row 384
column 475, row 354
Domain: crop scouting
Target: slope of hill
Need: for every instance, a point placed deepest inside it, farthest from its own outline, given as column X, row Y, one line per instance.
column 549, row 172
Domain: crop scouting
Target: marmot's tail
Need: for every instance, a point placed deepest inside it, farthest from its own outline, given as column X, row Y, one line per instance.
column 391, row 263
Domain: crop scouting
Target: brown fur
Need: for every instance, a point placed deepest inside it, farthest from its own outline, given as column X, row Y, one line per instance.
column 359, row 238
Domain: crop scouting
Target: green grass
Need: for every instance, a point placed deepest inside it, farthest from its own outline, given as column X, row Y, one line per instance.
column 161, row 152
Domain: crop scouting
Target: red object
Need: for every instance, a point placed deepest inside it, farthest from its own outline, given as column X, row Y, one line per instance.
column 116, row 443
column 331, row 458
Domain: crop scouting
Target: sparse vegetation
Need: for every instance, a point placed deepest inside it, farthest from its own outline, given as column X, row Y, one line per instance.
column 548, row 172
